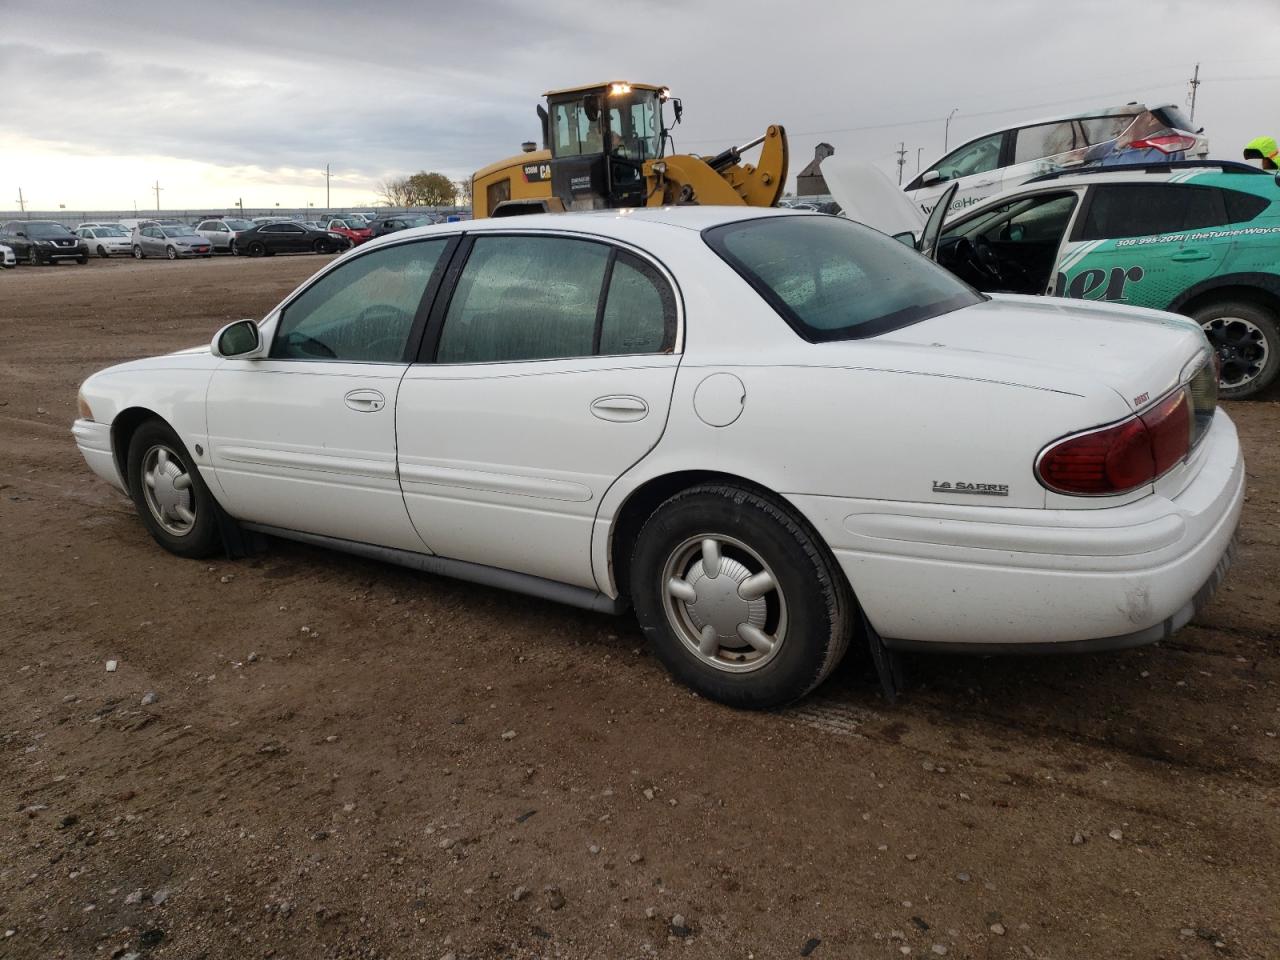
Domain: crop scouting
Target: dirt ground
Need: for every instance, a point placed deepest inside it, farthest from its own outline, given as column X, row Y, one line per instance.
column 345, row 759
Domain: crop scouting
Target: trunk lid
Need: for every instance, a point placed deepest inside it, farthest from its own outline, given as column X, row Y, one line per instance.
column 1046, row 342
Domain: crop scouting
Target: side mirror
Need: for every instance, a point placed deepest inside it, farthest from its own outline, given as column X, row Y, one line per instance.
column 678, row 108
column 239, row 339
column 906, row 238
column 930, row 176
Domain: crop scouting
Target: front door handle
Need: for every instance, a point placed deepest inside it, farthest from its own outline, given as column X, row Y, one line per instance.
column 365, row 401
column 620, row 409
column 1186, row 256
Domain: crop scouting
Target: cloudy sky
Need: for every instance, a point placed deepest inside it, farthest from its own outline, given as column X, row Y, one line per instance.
column 250, row 100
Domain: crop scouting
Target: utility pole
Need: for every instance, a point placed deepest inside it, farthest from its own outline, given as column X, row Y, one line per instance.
column 1195, row 82
column 326, row 186
column 946, row 131
column 902, row 159
column 919, row 150
column 157, row 188
column 22, row 203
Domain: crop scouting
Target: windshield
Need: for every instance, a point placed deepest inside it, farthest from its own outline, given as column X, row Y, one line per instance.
column 109, row 232
column 422, row 221
column 239, row 224
column 833, row 279
column 634, row 125
column 47, row 231
column 179, row 232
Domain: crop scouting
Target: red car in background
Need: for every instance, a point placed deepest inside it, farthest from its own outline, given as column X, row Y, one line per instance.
column 355, row 229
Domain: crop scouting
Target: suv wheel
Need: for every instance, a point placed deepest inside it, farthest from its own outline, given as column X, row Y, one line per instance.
column 33, row 258
column 1246, row 338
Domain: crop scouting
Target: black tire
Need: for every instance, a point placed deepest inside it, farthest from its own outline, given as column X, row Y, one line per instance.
column 137, row 252
column 818, row 604
column 322, row 246
column 102, row 252
column 33, row 258
column 202, row 539
column 1246, row 336
column 231, row 249
column 171, row 253
column 82, row 260
column 257, row 249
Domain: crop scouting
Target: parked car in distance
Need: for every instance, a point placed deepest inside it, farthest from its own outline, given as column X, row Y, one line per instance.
column 582, row 419
column 153, row 239
column 106, row 239
column 259, row 221
column 287, row 236
column 8, row 259
column 401, row 221
column 222, row 232
column 43, row 241
column 105, row 223
column 354, row 229
column 996, row 162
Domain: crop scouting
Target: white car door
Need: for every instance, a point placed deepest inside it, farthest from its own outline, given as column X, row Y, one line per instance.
column 975, row 166
column 305, row 438
column 550, row 374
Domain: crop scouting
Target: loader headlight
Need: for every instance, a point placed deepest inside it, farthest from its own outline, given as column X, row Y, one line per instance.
column 660, row 168
column 619, row 89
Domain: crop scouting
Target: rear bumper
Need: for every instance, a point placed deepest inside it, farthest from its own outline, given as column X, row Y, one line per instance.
column 989, row 579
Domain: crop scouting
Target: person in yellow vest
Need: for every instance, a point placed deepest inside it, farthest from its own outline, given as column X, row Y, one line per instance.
column 1264, row 149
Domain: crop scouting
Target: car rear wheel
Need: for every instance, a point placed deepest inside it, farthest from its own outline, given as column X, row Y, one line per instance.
column 257, row 249
column 102, row 252
column 170, row 497
column 1246, row 338
column 741, row 600
column 137, row 252
column 171, row 253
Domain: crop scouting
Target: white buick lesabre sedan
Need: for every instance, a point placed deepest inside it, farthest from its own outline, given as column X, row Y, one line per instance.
column 769, row 433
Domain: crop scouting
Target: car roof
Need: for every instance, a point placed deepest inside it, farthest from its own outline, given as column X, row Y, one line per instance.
column 609, row 224
column 1128, row 109
column 1142, row 173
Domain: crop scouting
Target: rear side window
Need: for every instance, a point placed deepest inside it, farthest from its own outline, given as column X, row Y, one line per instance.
column 833, row 279
column 1045, row 140
column 542, row 298
column 1243, row 207
column 1102, row 129
column 1147, row 209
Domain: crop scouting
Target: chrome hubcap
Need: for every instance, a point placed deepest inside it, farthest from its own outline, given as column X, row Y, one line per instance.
column 1241, row 347
column 724, row 603
column 167, row 490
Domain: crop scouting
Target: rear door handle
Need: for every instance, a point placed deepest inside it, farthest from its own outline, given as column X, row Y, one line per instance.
column 1185, row 256
column 365, row 401
column 620, row 409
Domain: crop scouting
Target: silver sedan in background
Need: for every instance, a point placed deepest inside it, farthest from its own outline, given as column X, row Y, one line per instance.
column 152, row 239
column 221, row 232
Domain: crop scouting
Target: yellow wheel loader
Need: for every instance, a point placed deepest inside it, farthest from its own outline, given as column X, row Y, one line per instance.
column 603, row 148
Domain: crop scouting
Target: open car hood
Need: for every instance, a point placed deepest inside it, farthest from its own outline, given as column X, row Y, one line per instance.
column 865, row 194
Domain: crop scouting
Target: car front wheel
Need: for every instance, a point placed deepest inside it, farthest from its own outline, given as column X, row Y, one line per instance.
column 102, row 251
column 257, row 249
column 137, row 252
column 740, row 599
column 171, row 253
column 33, row 258
column 168, row 493
column 1246, row 338
column 321, row 246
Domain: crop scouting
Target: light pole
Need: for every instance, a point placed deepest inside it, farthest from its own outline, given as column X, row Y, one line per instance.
column 946, row 131
column 919, row 150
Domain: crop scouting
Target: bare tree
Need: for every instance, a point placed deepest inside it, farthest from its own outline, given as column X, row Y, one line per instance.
column 464, row 191
column 397, row 192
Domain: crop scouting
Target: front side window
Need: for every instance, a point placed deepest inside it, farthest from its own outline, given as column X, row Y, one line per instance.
column 1045, row 140
column 834, row 279
column 1149, row 209
column 981, row 156
column 362, row 311
column 574, row 130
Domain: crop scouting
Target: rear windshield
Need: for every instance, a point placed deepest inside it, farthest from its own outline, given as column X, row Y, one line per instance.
column 1173, row 116
column 833, row 279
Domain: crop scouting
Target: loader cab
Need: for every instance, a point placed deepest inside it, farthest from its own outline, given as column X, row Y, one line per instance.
column 600, row 138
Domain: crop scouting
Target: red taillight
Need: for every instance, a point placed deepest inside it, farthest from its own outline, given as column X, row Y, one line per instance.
column 1166, row 143
column 1123, row 456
